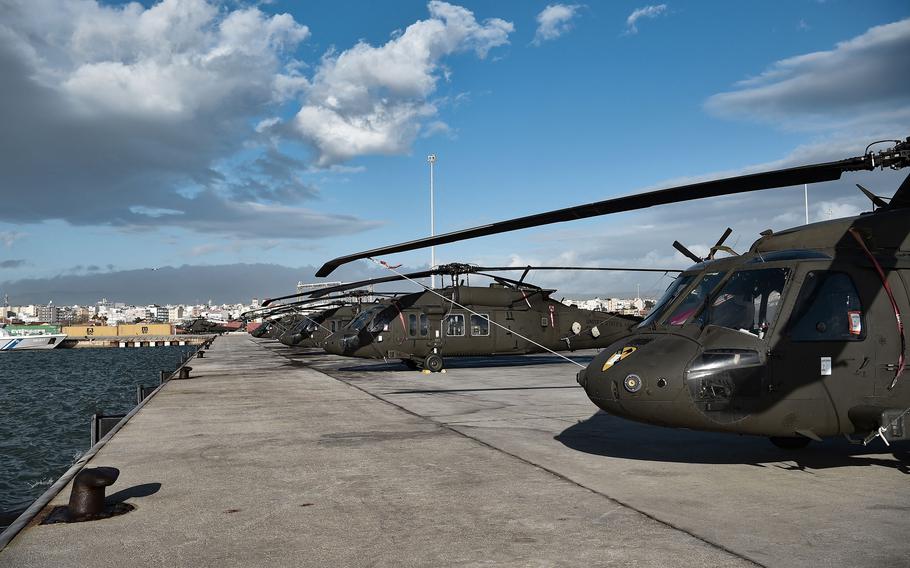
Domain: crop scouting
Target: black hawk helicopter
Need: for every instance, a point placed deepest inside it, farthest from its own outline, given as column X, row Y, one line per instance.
column 201, row 325
column 510, row 317
column 307, row 323
column 798, row 339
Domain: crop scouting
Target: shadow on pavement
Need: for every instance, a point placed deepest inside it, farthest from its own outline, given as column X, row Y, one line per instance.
column 143, row 490
column 606, row 435
column 475, row 362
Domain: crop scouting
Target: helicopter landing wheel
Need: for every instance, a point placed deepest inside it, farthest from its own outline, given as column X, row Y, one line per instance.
column 410, row 364
column 790, row 443
column 433, row 363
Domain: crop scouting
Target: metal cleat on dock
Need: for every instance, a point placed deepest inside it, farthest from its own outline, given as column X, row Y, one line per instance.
column 87, row 497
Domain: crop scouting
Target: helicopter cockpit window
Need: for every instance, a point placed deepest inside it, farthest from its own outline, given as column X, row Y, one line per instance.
column 695, row 300
column 365, row 316
column 480, row 325
column 418, row 325
column 749, row 301
column 828, row 308
column 675, row 288
column 454, row 325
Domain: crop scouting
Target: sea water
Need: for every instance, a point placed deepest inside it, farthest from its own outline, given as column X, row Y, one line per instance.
column 47, row 399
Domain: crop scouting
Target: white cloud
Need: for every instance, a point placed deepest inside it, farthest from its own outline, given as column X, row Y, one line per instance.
column 8, row 238
column 864, row 82
column 645, row 12
column 372, row 100
column 142, row 117
column 172, row 60
column 553, row 21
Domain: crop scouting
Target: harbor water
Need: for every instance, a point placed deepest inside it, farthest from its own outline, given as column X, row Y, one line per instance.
column 47, row 398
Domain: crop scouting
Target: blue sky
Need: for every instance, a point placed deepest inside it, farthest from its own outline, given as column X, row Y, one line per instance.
column 194, row 132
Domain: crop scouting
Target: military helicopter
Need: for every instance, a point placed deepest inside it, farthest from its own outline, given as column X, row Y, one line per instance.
column 308, row 322
column 509, row 317
column 797, row 339
column 203, row 326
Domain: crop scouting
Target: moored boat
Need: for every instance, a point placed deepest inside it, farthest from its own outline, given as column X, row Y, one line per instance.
column 9, row 341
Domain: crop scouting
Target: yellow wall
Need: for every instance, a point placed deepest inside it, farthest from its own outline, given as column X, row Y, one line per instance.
column 145, row 329
column 90, row 330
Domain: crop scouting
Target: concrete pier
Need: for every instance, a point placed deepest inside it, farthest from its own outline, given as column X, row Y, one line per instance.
column 74, row 342
column 270, row 456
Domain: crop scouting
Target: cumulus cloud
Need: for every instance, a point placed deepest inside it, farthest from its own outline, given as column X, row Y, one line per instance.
column 641, row 13
column 553, row 21
column 861, row 81
column 10, row 237
column 135, row 117
column 374, row 100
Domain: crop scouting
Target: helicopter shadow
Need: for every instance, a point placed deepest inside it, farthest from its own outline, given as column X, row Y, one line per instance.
column 477, row 362
column 610, row 436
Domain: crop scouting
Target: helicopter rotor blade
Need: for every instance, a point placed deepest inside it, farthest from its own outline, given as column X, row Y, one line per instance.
column 719, row 245
column 450, row 269
column 895, row 157
column 351, row 285
column 572, row 268
column 876, row 200
column 686, row 252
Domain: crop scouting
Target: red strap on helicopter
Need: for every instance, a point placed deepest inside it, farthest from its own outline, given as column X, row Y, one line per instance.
column 894, row 306
column 525, row 298
column 404, row 328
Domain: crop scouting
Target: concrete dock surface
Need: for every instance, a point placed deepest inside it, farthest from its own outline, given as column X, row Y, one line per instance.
column 271, row 456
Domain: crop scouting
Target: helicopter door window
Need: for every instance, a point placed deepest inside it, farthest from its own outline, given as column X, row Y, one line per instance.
column 828, row 308
column 454, row 325
column 480, row 325
column 418, row 325
column 749, row 301
column 695, row 300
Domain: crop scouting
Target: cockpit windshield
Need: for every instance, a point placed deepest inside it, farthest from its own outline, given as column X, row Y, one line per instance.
column 749, row 301
column 365, row 316
column 675, row 288
column 695, row 300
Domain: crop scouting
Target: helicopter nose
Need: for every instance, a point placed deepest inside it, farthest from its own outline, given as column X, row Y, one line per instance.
column 332, row 345
column 629, row 376
column 344, row 345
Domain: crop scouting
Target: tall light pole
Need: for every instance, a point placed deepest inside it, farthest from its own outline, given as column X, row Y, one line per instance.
column 431, row 159
column 806, row 196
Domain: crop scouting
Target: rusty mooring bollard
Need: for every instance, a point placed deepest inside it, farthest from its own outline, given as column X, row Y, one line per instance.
column 200, row 354
column 184, row 372
column 87, row 498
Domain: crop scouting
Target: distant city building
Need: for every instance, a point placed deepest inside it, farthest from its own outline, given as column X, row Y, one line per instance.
column 175, row 313
column 46, row 313
column 156, row 313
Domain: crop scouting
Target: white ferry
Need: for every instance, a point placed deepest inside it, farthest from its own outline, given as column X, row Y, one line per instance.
column 8, row 341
